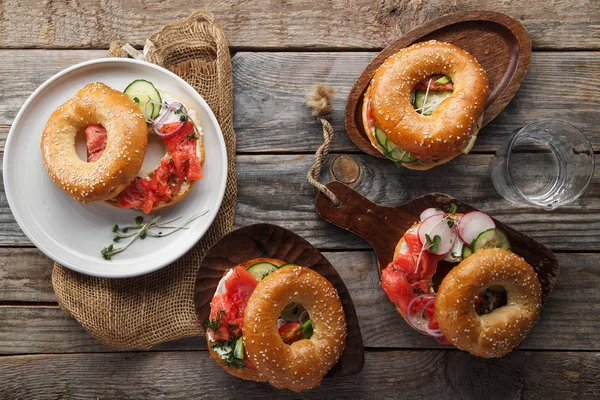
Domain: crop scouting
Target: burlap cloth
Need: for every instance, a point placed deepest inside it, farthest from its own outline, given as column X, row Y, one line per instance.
column 137, row 313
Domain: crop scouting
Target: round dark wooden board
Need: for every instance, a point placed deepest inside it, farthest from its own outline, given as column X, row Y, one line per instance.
column 271, row 241
column 499, row 42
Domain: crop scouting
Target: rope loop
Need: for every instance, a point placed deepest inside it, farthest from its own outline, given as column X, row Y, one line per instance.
column 319, row 101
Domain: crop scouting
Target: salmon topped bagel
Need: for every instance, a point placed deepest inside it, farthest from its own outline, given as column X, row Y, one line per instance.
column 486, row 304
column 278, row 322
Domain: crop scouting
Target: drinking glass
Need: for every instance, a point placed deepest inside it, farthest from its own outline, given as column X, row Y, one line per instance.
column 547, row 163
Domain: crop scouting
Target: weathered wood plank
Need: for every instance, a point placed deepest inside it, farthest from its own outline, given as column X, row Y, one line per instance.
column 270, row 90
column 269, row 114
column 272, row 24
column 285, row 198
column 565, row 323
column 414, row 374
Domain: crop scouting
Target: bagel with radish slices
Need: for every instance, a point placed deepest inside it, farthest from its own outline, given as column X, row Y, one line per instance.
column 277, row 322
column 485, row 305
column 424, row 105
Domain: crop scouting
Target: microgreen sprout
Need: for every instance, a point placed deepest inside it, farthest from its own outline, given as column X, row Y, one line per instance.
column 143, row 230
column 452, row 209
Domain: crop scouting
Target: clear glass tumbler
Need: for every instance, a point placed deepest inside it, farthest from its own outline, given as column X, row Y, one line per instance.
column 547, row 163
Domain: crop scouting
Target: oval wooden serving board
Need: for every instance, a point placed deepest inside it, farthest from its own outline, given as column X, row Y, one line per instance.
column 271, row 241
column 499, row 42
column 383, row 226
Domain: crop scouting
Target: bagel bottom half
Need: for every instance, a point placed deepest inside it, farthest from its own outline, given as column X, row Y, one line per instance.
column 243, row 373
column 419, row 165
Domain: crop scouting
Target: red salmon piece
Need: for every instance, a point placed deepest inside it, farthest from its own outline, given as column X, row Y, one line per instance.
column 167, row 179
column 95, row 138
column 436, row 87
column 220, row 308
column 240, row 286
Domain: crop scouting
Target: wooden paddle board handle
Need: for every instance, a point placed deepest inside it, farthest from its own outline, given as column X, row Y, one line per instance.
column 381, row 226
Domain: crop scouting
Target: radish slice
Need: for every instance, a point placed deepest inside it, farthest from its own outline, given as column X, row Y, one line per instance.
column 437, row 225
column 472, row 224
column 430, row 212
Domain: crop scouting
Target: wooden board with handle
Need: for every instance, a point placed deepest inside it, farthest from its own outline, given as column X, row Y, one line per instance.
column 499, row 42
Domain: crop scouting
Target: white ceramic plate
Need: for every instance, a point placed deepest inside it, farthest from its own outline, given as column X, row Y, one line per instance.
column 72, row 233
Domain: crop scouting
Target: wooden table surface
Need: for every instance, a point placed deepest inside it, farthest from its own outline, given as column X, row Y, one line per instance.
column 281, row 50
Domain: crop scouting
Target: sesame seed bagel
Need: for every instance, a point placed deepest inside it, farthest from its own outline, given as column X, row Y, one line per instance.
column 303, row 364
column 127, row 138
column 452, row 127
column 499, row 332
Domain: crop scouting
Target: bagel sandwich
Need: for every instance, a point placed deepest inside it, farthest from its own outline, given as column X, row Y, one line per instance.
column 278, row 322
column 424, row 105
column 487, row 285
column 179, row 128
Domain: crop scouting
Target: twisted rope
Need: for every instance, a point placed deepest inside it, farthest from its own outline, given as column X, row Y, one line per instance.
column 319, row 101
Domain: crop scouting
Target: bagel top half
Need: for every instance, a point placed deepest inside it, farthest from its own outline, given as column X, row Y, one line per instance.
column 451, row 128
column 127, row 138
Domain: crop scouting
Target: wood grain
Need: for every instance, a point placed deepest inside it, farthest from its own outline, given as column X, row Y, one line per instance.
column 342, row 24
column 286, row 199
column 414, row 374
column 565, row 324
column 499, row 43
column 269, row 111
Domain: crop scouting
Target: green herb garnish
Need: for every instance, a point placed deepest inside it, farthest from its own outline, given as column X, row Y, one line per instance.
column 216, row 323
column 450, row 223
column 307, row 329
column 452, row 209
column 115, row 228
column 228, row 356
column 434, row 243
column 142, row 231
column 182, row 118
column 136, row 100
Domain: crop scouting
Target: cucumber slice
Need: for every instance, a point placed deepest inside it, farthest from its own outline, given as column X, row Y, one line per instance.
column 288, row 265
column 443, row 80
column 260, row 270
column 491, row 239
column 402, row 156
column 434, row 99
column 380, row 136
column 391, row 150
column 238, row 350
column 390, row 146
column 144, row 90
column 466, row 252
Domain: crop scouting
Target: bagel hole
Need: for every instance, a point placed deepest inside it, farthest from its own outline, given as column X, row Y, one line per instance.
column 430, row 99
column 155, row 151
column 294, row 323
column 81, row 145
column 490, row 299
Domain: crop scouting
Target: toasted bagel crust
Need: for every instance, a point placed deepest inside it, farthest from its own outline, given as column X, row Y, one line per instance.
column 127, row 138
column 499, row 332
column 446, row 132
column 303, row 364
